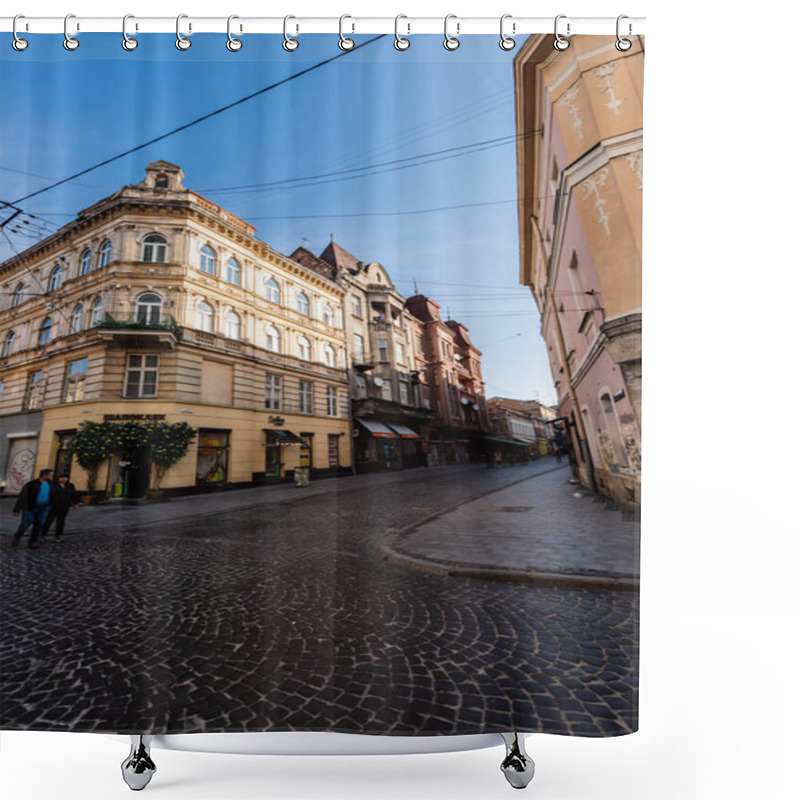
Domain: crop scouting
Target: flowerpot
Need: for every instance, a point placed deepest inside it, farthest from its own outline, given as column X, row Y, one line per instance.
column 88, row 499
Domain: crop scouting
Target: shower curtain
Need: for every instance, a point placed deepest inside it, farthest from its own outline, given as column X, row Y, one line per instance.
column 321, row 386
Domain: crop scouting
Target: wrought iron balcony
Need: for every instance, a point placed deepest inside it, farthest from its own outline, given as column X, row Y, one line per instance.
column 141, row 329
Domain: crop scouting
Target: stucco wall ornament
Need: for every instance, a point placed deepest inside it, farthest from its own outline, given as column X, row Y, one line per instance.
column 591, row 188
column 635, row 162
column 606, row 73
column 567, row 100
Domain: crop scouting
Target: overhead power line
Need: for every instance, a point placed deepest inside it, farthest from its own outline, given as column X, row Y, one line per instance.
column 197, row 121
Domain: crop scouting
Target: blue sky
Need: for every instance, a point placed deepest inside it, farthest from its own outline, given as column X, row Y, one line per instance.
column 449, row 223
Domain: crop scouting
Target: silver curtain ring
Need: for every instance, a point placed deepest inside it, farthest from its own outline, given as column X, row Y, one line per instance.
column 506, row 42
column 128, row 42
column 19, row 44
column 400, row 42
column 70, row 42
column 450, row 42
column 623, row 45
column 560, row 43
column 233, row 44
column 181, row 42
column 289, row 44
column 344, row 42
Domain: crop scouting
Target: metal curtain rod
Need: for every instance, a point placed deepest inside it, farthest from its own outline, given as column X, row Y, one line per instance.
column 351, row 25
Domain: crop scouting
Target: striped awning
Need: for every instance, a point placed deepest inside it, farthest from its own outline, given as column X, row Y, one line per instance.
column 377, row 428
column 404, row 432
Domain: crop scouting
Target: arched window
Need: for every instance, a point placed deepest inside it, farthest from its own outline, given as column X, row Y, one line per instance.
column 327, row 314
column 46, row 331
column 97, row 311
column 54, row 281
column 154, row 248
column 8, row 343
column 105, row 254
column 303, row 348
column 205, row 316
column 86, row 262
column 77, row 319
column 273, row 291
column 273, row 339
column 148, row 308
column 233, row 325
column 330, row 356
column 208, row 260
column 18, row 296
column 233, row 272
column 303, row 306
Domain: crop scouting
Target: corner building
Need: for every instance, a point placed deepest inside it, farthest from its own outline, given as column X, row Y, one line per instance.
column 155, row 303
column 579, row 153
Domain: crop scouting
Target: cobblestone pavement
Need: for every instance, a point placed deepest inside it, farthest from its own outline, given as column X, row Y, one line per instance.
column 284, row 616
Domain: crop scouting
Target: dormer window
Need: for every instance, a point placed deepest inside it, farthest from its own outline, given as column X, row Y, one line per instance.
column 162, row 181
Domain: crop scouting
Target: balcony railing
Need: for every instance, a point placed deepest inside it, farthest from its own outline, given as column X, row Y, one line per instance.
column 141, row 329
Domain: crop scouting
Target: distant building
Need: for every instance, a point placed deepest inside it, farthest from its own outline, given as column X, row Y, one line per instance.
column 525, row 421
column 579, row 126
column 157, row 303
column 389, row 409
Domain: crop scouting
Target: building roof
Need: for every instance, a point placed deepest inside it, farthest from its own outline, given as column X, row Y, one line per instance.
column 339, row 258
column 307, row 259
column 423, row 308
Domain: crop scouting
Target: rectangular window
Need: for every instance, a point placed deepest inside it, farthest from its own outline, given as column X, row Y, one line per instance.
column 331, row 401
column 400, row 353
column 386, row 390
column 383, row 350
column 357, row 309
column 273, row 393
column 75, row 383
column 333, row 450
column 404, row 393
column 141, row 378
column 361, row 386
column 35, row 394
column 421, row 345
column 213, row 448
column 358, row 348
column 306, row 397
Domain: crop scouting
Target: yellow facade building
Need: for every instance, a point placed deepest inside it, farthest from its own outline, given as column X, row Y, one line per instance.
column 155, row 303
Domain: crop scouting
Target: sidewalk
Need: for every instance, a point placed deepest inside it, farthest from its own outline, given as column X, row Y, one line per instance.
column 541, row 530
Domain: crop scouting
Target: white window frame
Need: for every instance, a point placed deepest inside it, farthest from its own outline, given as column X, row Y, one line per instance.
column 272, row 291
column 75, row 381
column 273, row 337
column 273, row 389
column 34, row 390
column 303, row 304
column 76, row 322
column 148, row 364
column 232, row 318
column 54, row 281
column 328, row 316
column 305, row 397
column 145, row 308
column 331, row 401
column 330, row 356
column 205, row 316
column 8, row 343
column 234, row 272
column 208, row 260
column 86, row 262
column 154, row 248
column 105, row 254
column 304, row 347
column 45, row 335
column 19, row 295
column 97, row 312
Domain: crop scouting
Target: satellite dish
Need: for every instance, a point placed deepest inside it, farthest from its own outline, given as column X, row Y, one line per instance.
column 378, row 382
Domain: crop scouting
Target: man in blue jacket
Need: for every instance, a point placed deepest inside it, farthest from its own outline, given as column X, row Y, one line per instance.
column 34, row 504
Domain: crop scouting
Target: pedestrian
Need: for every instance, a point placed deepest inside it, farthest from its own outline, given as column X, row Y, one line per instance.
column 33, row 503
column 63, row 497
column 498, row 458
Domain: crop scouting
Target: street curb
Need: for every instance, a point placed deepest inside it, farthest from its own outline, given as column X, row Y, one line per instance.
column 539, row 577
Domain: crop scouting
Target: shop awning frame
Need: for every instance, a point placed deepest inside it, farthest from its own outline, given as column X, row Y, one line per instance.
column 403, row 432
column 377, row 429
column 282, row 437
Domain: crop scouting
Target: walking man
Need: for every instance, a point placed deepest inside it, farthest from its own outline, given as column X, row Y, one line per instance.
column 63, row 497
column 34, row 504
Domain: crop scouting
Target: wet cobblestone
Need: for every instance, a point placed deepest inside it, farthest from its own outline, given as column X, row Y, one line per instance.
column 285, row 617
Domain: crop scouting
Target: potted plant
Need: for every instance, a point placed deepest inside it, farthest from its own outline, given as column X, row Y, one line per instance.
column 91, row 446
column 166, row 445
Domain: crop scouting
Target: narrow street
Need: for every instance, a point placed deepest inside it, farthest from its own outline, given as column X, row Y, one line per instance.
column 283, row 614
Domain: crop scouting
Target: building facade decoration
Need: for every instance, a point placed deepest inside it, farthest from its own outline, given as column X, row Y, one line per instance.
column 588, row 293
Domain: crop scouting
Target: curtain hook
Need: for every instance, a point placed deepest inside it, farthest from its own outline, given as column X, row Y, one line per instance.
column 344, row 42
column 506, row 42
column 70, row 42
column 450, row 42
column 623, row 45
column 181, row 42
column 233, row 44
column 128, row 42
column 400, row 42
column 19, row 44
column 289, row 43
column 561, row 43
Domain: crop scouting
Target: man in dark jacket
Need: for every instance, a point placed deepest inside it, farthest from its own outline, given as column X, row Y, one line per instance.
column 63, row 498
column 34, row 504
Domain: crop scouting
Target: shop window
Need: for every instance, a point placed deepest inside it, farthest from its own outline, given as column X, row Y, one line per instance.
column 141, row 378
column 333, row 450
column 63, row 453
column 213, row 448
column 74, row 386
